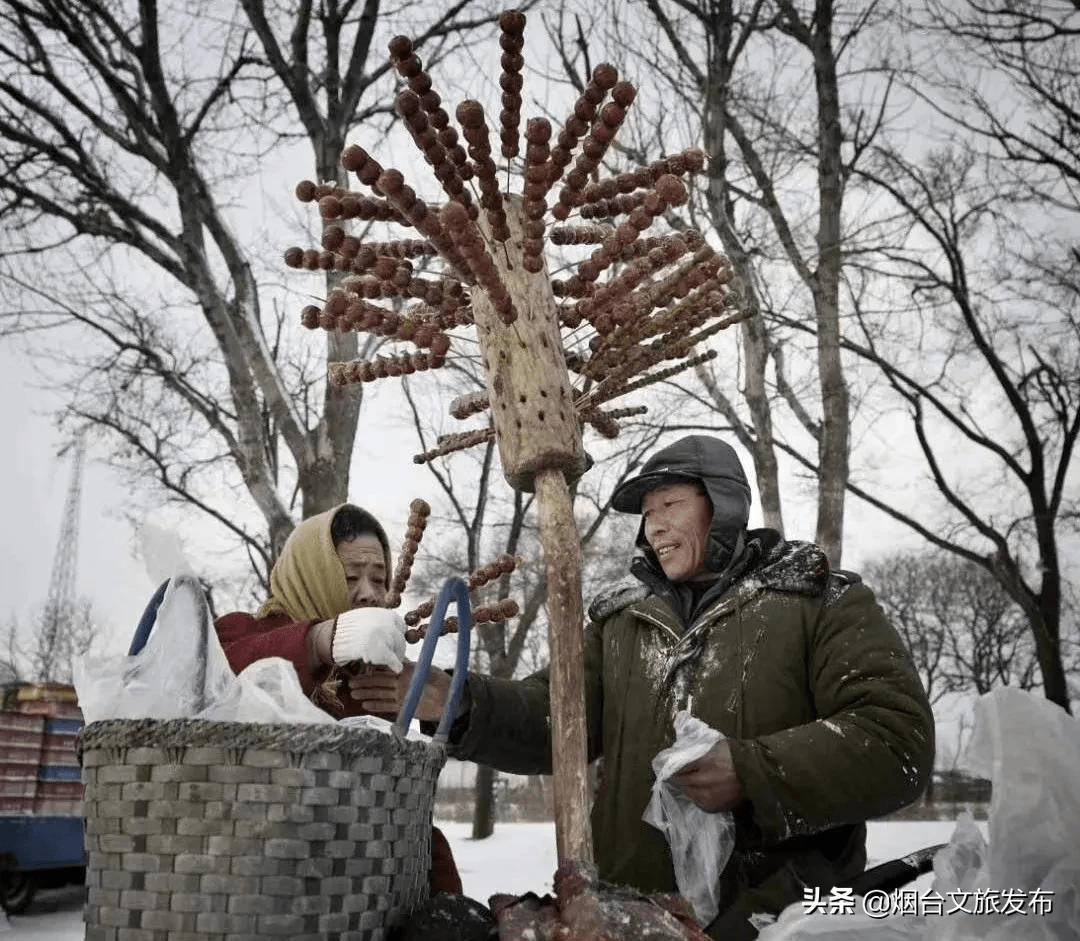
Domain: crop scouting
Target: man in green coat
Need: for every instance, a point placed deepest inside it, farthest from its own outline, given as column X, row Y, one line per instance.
column 825, row 721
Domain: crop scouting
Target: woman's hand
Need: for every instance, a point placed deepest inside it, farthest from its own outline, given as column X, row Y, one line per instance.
column 371, row 636
column 319, row 638
column 382, row 691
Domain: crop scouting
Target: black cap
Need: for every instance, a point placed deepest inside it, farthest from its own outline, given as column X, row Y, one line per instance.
column 693, row 459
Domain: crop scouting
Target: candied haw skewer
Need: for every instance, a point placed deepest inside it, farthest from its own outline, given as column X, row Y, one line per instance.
column 501, row 610
column 615, row 206
column 411, row 111
column 419, row 511
column 635, row 272
column 409, row 67
column 512, row 41
column 448, row 444
column 593, row 149
column 470, row 114
column 649, row 379
column 669, row 191
column 537, row 134
column 470, row 244
column 404, row 364
column 403, row 197
column 465, row 406
column 576, row 126
column 580, row 234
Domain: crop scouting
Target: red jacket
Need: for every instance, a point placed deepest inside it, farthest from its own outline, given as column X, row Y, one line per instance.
column 246, row 638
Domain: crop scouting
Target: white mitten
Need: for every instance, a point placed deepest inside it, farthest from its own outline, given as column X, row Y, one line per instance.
column 372, row 635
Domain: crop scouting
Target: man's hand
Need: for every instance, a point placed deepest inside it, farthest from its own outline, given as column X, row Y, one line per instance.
column 382, row 691
column 710, row 782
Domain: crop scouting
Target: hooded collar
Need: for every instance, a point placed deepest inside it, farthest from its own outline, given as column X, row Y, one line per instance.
column 762, row 557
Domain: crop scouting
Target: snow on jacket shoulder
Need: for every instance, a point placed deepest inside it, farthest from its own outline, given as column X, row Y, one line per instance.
column 798, row 668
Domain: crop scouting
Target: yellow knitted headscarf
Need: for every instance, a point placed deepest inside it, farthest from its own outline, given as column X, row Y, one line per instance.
column 307, row 581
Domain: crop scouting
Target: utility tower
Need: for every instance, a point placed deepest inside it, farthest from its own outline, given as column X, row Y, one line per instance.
column 54, row 637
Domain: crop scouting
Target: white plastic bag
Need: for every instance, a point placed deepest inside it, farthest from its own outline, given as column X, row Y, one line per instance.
column 1029, row 748
column 182, row 673
column 701, row 842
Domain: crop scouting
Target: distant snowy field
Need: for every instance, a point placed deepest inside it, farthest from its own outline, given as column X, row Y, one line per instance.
column 518, row 858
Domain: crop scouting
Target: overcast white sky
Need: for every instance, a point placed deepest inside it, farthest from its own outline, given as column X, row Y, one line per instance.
column 34, row 484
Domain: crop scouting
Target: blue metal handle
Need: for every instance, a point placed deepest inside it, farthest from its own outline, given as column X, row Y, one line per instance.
column 457, row 588
column 146, row 622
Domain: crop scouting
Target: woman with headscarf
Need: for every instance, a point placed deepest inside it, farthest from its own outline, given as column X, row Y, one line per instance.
column 325, row 609
column 325, row 612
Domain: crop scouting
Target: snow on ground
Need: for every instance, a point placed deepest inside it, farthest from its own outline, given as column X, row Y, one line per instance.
column 518, row 858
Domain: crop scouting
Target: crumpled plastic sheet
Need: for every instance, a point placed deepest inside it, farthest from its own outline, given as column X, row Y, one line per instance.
column 700, row 842
column 1029, row 748
column 182, row 673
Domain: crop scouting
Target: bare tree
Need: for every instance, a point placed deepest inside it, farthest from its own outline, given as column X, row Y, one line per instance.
column 54, row 654
column 763, row 85
column 991, row 385
column 49, row 657
column 963, row 630
column 902, row 583
column 965, row 634
column 12, row 657
column 985, row 355
column 133, row 139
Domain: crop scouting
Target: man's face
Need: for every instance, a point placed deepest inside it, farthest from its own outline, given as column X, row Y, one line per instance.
column 677, row 519
column 365, row 570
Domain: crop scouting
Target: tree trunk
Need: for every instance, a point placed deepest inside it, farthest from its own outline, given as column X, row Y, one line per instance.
column 484, row 803
column 834, row 443
column 753, row 329
column 1044, row 616
column 762, row 449
column 334, row 436
column 1043, row 611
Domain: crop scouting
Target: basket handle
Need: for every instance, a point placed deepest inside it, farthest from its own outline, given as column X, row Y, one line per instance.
column 454, row 587
column 146, row 622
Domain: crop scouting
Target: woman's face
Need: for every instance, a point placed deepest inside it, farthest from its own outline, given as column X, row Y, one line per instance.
column 365, row 570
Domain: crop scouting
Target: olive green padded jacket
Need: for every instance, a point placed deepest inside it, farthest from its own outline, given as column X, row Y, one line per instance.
column 798, row 667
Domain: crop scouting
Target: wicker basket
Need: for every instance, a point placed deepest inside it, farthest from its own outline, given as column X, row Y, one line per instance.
column 231, row 831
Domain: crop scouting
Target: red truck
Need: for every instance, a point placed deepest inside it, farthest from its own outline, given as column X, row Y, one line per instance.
column 41, row 824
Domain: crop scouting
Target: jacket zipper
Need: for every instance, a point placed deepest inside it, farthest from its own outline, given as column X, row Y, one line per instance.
column 715, row 611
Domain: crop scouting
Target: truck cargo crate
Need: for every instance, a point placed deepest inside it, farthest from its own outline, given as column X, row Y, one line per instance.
column 41, row 785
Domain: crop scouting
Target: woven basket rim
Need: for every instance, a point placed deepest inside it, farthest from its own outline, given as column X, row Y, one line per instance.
column 291, row 737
